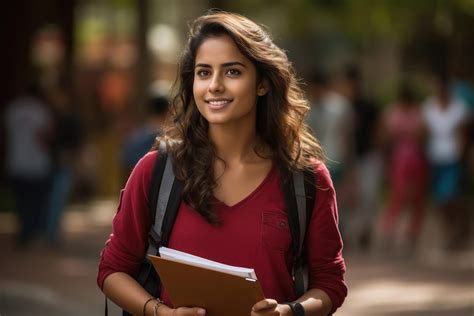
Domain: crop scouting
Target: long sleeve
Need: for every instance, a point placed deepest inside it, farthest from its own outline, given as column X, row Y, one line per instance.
column 326, row 264
column 125, row 249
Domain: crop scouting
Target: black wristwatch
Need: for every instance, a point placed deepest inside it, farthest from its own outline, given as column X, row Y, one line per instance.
column 296, row 308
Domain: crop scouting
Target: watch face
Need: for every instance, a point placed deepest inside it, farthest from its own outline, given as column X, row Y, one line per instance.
column 299, row 310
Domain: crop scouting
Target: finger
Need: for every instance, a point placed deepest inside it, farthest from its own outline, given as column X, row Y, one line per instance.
column 195, row 311
column 265, row 312
column 264, row 304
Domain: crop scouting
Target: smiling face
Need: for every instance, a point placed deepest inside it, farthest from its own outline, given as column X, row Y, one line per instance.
column 225, row 83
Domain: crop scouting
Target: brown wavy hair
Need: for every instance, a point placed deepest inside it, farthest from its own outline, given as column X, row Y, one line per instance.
column 280, row 112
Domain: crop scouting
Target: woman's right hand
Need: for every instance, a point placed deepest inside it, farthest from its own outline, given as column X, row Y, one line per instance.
column 181, row 311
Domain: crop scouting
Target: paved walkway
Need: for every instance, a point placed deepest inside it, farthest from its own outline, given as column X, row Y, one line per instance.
column 42, row 281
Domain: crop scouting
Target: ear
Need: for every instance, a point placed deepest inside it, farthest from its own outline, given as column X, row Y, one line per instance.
column 262, row 88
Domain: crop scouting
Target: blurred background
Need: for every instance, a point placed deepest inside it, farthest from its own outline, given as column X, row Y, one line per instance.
column 85, row 86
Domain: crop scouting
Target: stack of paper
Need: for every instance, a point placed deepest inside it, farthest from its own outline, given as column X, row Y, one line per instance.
column 197, row 282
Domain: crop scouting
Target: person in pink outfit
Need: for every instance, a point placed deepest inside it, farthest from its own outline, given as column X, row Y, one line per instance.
column 407, row 172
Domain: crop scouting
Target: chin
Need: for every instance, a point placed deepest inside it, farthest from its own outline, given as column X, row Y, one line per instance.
column 217, row 121
column 217, row 118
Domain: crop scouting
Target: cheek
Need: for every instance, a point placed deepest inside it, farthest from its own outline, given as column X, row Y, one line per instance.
column 197, row 96
column 197, row 87
column 199, row 91
column 249, row 91
column 243, row 88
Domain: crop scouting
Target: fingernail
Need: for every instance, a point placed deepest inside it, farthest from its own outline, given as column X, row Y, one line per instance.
column 201, row 312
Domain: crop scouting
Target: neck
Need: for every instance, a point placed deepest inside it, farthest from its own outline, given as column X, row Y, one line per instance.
column 234, row 143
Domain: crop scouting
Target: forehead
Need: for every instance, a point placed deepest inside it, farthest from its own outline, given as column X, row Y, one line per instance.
column 219, row 49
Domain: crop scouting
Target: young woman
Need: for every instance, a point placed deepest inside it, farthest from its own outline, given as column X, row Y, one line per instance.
column 237, row 122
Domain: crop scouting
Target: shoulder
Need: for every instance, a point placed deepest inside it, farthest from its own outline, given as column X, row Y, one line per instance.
column 148, row 160
column 143, row 169
column 325, row 205
column 322, row 175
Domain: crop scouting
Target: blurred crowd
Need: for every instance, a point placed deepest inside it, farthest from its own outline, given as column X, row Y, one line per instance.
column 48, row 157
column 402, row 159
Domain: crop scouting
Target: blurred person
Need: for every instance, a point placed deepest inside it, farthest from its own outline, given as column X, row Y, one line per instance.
column 142, row 139
column 29, row 162
column 317, row 88
column 331, row 118
column 367, row 161
column 66, row 150
column 338, row 142
column 337, row 130
column 237, row 129
column 114, row 89
column 405, row 137
column 446, row 118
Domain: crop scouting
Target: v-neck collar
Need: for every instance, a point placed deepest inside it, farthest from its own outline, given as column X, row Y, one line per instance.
column 251, row 194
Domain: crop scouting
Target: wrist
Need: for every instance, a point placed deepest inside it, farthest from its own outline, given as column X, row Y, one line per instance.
column 164, row 310
column 296, row 309
column 285, row 309
column 149, row 306
column 155, row 307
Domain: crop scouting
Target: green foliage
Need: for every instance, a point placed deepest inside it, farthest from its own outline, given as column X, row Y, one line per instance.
column 361, row 18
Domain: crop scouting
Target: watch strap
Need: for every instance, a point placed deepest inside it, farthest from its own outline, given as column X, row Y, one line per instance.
column 296, row 308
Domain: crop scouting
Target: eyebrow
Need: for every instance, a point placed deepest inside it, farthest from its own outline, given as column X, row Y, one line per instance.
column 232, row 63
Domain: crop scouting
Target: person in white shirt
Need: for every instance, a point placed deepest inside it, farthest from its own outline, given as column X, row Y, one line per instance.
column 446, row 117
column 28, row 162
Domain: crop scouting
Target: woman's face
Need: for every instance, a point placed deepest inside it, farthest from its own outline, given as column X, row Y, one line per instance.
column 225, row 83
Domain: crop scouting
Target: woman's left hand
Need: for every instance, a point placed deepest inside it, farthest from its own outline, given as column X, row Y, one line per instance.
column 269, row 307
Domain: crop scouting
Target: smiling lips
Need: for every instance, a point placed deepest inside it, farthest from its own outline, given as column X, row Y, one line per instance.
column 217, row 104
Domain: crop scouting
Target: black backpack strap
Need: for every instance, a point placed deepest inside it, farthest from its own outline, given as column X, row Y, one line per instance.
column 310, row 192
column 169, row 217
column 165, row 197
column 154, row 191
column 161, row 207
column 299, row 192
column 155, row 182
column 305, row 185
column 166, row 205
column 300, row 195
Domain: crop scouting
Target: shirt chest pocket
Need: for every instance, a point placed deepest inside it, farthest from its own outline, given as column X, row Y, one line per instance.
column 276, row 233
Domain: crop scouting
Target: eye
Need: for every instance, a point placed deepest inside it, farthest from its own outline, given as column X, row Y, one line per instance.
column 233, row 72
column 202, row 73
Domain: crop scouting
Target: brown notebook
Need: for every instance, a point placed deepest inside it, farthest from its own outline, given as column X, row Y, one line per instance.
column 220, row 293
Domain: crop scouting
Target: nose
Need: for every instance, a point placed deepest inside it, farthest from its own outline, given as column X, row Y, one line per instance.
column 216, row 85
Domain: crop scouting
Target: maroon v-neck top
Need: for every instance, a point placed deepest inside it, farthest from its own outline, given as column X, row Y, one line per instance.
column 254, row 234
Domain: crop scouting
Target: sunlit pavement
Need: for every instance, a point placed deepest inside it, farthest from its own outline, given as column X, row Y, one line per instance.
column 61, row 281
column 380, row 287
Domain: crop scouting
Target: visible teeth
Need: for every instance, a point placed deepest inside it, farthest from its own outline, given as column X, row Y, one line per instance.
column 218, row 102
